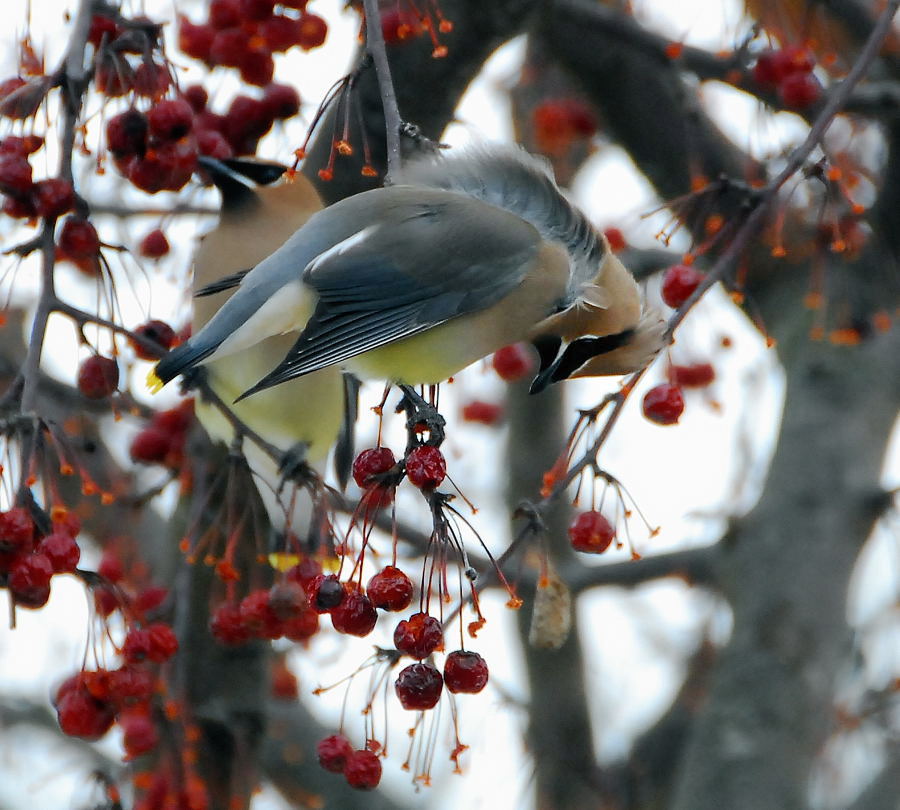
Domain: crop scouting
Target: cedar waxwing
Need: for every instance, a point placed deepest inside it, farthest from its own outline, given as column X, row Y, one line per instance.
column 254, row 221
column 411, row 283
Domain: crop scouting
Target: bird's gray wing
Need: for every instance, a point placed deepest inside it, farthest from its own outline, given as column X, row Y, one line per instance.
column 425, row 263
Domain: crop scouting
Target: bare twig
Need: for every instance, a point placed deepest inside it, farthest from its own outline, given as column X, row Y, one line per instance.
column 392, row 121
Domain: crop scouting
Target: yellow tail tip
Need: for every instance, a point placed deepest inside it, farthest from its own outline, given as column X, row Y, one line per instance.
column 283, row 561
column 154, row 383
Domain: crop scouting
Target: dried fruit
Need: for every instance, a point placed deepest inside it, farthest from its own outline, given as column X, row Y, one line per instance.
column 663, row 404
column 465, row 672
column 419, row 687
column 425, row 466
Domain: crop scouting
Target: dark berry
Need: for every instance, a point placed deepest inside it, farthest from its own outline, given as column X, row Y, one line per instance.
column 425, row 467
column 419, row 686
column 390, row 589
column 465, row 672
column 591, row 533
column 98, row 377
column 333, row 752
column 419, row 635
column 363, row 770
column 325, row 592
column 663, row 404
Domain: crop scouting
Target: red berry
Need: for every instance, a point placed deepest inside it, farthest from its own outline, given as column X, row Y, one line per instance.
column 679, row 283
column 111, row 567
column 53, row 197
column 29, row 580
column 195, row 40
column 16, row 530
column 425, row 466
column 398, row 24
column 154, row 245
column 302, row 627
column 282, row 100
column 513, row 362
column 225, row 13
column 98, row 377
column 333, row 752
column 390, row 589
column 229, row 47
column 616, row 239
column 258, row 616
column 78, row 239
column 157, row 331
column 150, row 446
column 370, row 464
column 170, row 119
column 151, row 80
column 325, row 592
column 102, row 27
column 150, row 599
column 113, row 77
column 213, row 144
column 62, row 550
column 363, row 770
column 663, row 404
column 280, row 33
column 257, row 67
column 487, row 413
column 175, row 421
column 130, row 685
column 284, row 683
column 799, row 90
column 19, row 208
column 695, row 375
column 15, row 174
column 355, row 615
column 256, row 10
column 140, row 734
column 80, row 715
column 312, row 33
column 105, row 601
column 162, row 640
column 558, row 122
column 227, row 625
column 591, row 533
column 465, row 671
column 24, row 146
column 287, row 599
column 772, row 67
column 419, row 635
column 126, row 133
column 419, row 686
column 197, row 97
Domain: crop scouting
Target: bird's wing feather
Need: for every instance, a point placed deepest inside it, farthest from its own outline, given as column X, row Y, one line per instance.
column 373, row 293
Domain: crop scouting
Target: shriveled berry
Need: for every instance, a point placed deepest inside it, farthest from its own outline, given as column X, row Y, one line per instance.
column 227, row 626
column 679, row 283
column 195, row 40
column 196, row 96
column 371, row 463
column 425, row 466
column 229, row 47
column 419, row 635
column 29, row 580
column 154, row 245
column 301, row 627
column 80, row 715
column 78, row 239
column 280, row 33
column 16, row 530
column 333, row 752
column 53, row 197
column 363, row 770
column 62, row 550
column 591, row 533
column 129, row 685
column 170, row 119
column 15, row 174
column 225, row 13
column 126, row 133
column 355, row 615
column 663, row 404
column 257, row 67
column 419, row 687
column 465, row 672
column 256, row 10
column 325, row 592
column 258, row 616
column 98, row 377
column 157, row 331
column 390, row 589
column 287, row 599
column 513, row 362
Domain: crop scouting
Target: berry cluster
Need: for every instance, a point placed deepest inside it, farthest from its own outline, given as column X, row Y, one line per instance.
column 29, row 558
column 24, row 197
column 244, row 34
column 407, row 20
column 789, row 70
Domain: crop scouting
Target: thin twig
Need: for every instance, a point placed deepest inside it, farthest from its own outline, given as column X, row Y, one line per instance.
column 392, row 121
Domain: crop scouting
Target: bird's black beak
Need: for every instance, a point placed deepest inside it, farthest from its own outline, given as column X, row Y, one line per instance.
column 563, row 364
column 547, row 348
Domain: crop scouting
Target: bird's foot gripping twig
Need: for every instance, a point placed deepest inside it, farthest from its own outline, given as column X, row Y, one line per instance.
column 420, row 416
